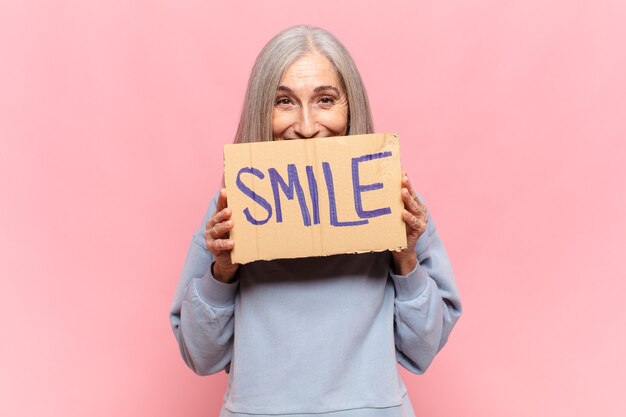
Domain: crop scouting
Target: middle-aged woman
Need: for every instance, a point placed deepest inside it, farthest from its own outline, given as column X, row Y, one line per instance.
column 312, row 336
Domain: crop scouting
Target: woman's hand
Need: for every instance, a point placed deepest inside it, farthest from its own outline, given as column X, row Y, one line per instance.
column 217, row 240
column 416, row 219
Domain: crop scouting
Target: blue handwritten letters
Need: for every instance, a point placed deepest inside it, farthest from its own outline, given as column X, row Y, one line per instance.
column 292, row 188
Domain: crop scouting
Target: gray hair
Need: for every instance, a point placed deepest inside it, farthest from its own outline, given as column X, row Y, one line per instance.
column 278, row 54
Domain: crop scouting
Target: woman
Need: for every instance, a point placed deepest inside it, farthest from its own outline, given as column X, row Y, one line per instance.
column 314, row 335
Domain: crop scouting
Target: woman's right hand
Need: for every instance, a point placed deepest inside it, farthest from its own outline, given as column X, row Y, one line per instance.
column 218, row 243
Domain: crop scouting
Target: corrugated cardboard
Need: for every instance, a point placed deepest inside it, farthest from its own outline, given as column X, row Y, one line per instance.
column 315, row 197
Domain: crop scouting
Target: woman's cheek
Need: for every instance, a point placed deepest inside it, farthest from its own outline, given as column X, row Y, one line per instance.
column 280, row 123
column 337, row 122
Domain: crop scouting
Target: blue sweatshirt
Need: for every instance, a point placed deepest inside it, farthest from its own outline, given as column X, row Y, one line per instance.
column 315, row 335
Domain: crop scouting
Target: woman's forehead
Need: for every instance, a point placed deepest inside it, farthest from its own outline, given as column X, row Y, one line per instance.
column 311, row 70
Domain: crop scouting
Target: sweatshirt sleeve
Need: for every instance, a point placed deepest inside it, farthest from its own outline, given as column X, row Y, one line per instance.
column 427, row 304
column 202, row 312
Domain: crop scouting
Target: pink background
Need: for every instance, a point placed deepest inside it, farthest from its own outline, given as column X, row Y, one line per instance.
column 512, row 120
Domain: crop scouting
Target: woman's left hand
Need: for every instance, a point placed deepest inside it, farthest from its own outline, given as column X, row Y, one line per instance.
column 416, row 219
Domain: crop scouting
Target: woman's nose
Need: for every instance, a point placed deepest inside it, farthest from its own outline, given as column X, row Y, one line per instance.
column 306, row 127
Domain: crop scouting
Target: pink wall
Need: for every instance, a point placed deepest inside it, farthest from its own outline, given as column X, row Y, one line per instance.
column 512, row 119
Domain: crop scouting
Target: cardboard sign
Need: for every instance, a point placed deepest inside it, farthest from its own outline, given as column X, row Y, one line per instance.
column 315, row 197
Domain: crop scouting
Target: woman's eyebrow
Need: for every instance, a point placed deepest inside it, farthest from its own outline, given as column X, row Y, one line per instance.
column 315, row 90
column 326, row 87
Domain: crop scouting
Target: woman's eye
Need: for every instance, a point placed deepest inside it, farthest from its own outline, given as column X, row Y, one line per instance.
column 327, row 100
column 283, row 101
